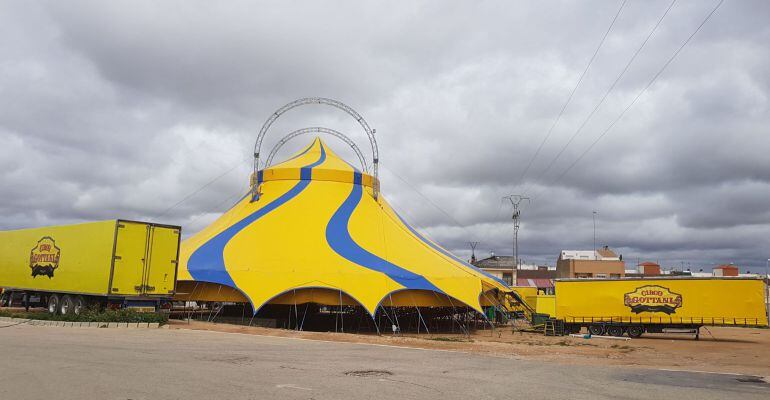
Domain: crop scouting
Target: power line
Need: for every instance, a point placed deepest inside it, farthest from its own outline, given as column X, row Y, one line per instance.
column 628, row 107
column 427, row 199
column 572, row 92
column 204, row 186
column 606, row 93
column 229, row 199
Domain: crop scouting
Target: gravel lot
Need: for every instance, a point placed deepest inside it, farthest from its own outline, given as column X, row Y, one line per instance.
column 69, row 363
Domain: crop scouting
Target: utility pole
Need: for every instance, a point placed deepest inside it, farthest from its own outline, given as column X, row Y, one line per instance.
column 473, row 251
column 767, row 289
column 516, row 200
column 594, row 216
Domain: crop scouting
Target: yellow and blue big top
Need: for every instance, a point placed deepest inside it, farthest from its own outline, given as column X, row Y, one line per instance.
column 317, row 234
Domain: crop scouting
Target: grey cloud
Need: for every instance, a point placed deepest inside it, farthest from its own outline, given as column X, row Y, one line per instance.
column 125, row 109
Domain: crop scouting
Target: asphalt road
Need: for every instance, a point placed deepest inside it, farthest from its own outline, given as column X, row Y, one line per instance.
column 82, row 363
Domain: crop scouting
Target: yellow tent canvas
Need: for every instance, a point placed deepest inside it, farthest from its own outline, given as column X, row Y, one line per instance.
column 317, row 234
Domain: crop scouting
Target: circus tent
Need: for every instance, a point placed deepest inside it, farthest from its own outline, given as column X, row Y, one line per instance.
column 316, row 232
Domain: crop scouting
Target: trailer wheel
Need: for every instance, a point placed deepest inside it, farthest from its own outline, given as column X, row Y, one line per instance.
column 53, row 304
column 614, row 330
column 635, row 331
column 596, row 329
column 78, row 305
column 67, row 305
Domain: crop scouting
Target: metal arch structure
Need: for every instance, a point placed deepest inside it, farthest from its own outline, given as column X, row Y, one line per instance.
column 324, row 101
column 317, row 129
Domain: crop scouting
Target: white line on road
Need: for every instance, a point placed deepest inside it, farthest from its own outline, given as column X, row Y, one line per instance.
column 708, row 372
column 291, row 386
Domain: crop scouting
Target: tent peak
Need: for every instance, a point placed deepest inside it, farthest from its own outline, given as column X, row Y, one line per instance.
column 316, row 162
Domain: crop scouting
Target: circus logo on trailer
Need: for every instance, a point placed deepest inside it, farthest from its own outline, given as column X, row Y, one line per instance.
column 653, row 298
column 44, row 257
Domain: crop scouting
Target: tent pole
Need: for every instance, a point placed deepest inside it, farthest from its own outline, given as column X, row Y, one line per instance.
column 485, row 317
column 361, row 318
column 214, row 317
column 376, row 326
column 302, row 325
column 419, row 316
column 455, row 313
column 386, row 314
column 395, row 312
column 189, row 316
column 342, row 316
column 296, row 318
column 438, row 324
column 219, row 291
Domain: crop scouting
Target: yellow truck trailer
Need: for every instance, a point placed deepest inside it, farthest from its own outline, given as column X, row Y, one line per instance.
column 66, row 268
column 634, row 306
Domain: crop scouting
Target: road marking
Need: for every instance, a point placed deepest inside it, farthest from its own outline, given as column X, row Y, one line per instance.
column 291, row 386
column 708, row 372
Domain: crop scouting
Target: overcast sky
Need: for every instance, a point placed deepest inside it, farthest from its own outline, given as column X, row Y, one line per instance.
column 111, row 109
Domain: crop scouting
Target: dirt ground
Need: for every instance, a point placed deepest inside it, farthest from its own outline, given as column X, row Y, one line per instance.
column 720, row 349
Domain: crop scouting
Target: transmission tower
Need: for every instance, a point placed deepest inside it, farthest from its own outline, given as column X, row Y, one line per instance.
column 516, row 200
column 473, row 251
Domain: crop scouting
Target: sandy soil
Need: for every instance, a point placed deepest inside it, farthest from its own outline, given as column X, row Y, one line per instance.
column 731, row 350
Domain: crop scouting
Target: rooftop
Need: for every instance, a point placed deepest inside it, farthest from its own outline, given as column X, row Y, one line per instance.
column 649, row 264
column 603, row 254
column 506, row 263
column 493, row 261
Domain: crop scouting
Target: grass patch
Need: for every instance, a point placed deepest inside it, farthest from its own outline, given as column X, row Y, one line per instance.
column 92, row 315
column 450, row 339
column 546, row 343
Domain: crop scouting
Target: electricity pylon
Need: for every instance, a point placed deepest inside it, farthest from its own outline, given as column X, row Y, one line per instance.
column 516, row 200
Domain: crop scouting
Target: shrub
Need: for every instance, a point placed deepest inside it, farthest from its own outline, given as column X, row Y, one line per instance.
column 92, row 314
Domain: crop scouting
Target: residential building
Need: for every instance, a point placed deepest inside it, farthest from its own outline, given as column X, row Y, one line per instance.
column 726, row 270
column 602, row 263
column 649, row 268
column 501, row 267
column 542, row 278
